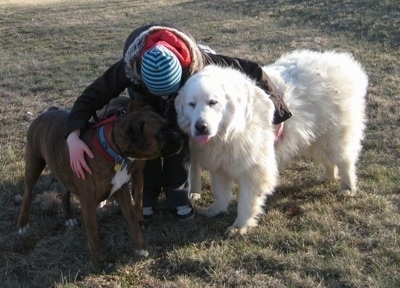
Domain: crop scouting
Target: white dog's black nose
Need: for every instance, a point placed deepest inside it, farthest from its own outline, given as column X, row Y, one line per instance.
column 201, row 127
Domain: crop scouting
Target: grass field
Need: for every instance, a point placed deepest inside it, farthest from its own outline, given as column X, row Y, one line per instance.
column 51, row 50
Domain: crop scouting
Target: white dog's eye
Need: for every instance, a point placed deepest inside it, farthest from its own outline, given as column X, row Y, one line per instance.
column 212, row 102
column 192, row 104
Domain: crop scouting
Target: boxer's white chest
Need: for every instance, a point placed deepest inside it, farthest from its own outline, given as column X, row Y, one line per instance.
column 119, row 179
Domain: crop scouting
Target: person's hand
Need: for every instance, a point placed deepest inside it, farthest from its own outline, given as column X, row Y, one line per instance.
column 77, row 149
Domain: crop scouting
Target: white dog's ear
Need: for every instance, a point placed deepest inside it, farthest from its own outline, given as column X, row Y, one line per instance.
column 268, row 105
column 182, row 119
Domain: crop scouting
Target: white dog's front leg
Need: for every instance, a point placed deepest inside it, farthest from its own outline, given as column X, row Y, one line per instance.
column 222, row 190
column 195, row 178
column 251, row 197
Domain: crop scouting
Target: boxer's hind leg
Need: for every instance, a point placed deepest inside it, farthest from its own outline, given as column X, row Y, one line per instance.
column 70, row 221
column 34, row 166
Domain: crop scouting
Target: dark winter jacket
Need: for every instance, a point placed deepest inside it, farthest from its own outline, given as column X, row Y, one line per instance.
column 126, row 73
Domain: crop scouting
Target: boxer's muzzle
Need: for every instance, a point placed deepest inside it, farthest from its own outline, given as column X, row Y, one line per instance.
column 171, row 142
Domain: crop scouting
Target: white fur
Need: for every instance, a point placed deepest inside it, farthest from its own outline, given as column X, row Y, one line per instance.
column 120, row 178
column 324, row 91
column 142, row 253
column 207, row 48
column 23, row 230
column 71, row 222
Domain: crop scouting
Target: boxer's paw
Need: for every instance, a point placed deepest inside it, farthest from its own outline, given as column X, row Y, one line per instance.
column 23, row 230
column 143, row 224
column 141, row 253
column 71, row 222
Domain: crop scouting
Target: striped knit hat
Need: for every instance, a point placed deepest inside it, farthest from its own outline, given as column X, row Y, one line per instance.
column 161, row 71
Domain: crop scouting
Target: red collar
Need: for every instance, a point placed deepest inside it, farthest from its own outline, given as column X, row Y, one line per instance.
column 109, row 119
column 107, row 123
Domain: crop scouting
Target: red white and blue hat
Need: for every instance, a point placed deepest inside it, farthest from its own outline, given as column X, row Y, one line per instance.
column 161, row 71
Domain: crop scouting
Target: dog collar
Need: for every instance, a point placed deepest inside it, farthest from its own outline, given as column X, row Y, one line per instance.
column 103, row 146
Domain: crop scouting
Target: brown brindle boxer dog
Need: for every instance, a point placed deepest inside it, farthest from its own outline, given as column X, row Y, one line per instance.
column 121, row 144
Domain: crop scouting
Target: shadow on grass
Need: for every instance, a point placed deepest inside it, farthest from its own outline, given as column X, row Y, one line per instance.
column 52, row 253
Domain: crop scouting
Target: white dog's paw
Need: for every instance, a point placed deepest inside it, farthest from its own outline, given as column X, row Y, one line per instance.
column 23, row 230
column 347, row 192
column 240, row 228
column 71, row 222
column 195, row 196
column 323, row 179
column 211, row 211
column 232, row 231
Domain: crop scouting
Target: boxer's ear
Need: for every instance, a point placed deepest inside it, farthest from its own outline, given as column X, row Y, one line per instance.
column 136, row 105
column 131, row 107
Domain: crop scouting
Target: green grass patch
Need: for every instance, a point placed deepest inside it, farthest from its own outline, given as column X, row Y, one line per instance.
column 52, row 49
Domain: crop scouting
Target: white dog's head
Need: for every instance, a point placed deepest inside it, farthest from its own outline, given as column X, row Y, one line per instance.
column 212, row 102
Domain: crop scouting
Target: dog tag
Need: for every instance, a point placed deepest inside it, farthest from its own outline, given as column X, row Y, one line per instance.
column 117, row 167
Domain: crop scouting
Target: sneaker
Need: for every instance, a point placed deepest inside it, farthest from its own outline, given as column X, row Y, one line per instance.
column 183, row 213
column 148, row 213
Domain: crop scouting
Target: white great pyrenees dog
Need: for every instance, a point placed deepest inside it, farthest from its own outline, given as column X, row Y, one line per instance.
column 229, row 121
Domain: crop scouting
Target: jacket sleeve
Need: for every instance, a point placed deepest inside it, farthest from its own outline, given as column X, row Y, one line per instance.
column 250, row 68
column 255, row 72
column 96, row 95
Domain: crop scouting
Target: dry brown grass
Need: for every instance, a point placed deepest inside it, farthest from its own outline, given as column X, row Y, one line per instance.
column 50, row 51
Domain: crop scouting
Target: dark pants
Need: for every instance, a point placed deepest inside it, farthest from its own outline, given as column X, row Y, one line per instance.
column 171, row 174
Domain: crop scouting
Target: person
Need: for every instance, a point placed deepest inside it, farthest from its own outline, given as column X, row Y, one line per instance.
column 157, row 60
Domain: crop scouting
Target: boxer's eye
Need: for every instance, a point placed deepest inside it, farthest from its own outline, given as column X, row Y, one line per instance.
column 192, row 104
